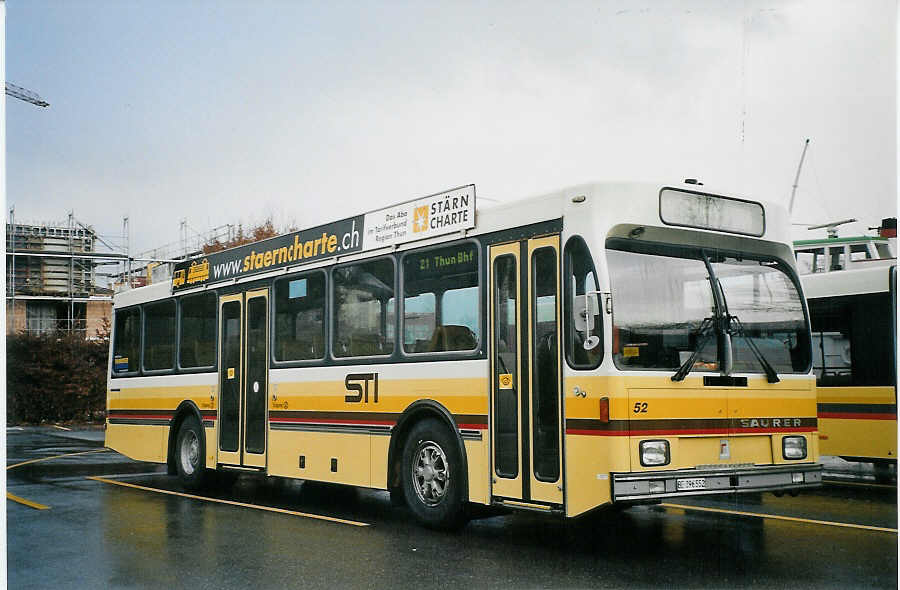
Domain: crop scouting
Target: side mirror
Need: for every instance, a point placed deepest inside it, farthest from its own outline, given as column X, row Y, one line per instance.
column 586, row 309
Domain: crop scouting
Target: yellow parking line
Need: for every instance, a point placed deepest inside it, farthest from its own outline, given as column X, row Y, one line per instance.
column 838, row 482
column 229, row 502
column 29, row 503
column 8, row 467
column 35, row 505
column 778, row 517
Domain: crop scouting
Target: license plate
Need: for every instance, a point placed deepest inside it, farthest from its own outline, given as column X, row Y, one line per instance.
column 694, row 483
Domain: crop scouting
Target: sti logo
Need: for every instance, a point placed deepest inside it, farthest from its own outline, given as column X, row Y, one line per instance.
column 420, row 219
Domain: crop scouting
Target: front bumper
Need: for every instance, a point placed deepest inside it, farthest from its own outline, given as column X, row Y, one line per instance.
column 630, row 487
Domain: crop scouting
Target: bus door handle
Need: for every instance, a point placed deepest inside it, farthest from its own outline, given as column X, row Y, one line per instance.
column 579, row 392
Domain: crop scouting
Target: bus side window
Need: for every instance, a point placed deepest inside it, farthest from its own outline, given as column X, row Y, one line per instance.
column 364, row 309
column 197, row 327
column 581, row 279
column 805, row 261
column 127, row 341
column 849, row 336
column 440, row 299
column 818, row 260
column 859, row 252
column 159, row 336
column 836, row 255
column 300, row 317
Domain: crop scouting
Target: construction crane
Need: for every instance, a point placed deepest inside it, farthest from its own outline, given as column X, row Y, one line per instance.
column 26, row 95
column 797, row 177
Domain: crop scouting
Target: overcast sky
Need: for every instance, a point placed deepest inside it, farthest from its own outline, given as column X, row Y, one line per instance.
column 226, row 112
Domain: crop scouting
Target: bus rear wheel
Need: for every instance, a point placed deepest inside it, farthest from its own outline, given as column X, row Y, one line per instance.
column 432, row 476
column 190, row 453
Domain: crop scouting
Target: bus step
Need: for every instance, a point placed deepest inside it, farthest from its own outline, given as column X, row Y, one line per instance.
column 531, row 507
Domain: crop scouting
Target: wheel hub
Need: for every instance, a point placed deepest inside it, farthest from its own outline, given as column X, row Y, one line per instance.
column 190, row 452
column 431, row 473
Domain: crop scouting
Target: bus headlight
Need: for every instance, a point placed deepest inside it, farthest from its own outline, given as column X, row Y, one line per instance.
column 793, row 447
column 654, row 452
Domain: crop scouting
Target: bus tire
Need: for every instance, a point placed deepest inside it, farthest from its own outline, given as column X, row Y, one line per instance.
column 432, row 476
column 190, row 452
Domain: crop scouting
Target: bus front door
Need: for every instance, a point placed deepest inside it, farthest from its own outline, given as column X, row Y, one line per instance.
column 243, row 378
column 525, row 386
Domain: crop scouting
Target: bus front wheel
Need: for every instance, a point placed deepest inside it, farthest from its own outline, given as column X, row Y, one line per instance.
column 190, row 454
column 432, row 476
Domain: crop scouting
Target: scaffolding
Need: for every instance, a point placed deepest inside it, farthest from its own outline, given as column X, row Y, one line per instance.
column 55, row 271
column 52, row 276
column 157, row 261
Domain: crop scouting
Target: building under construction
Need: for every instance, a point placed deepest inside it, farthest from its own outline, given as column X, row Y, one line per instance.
column 52, row 279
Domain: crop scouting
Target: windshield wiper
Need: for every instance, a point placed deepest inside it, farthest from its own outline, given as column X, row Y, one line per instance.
column 703, row 336
column 771, row 375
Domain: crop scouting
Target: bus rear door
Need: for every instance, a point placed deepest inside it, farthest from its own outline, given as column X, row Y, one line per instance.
column 243, row 378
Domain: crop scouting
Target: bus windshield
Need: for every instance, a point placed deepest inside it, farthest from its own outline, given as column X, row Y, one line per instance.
column 660, row 304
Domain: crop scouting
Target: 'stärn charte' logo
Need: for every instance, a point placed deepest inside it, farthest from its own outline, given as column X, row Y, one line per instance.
column 420, row 219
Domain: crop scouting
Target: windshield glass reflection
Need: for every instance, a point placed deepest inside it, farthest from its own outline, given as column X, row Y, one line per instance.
column 660, row 303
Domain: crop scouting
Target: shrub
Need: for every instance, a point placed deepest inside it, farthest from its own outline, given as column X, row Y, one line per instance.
column 56, row 377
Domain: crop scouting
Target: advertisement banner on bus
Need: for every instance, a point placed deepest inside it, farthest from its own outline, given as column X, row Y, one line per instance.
column 333, row 239
column 428, row 217
column 435, row 215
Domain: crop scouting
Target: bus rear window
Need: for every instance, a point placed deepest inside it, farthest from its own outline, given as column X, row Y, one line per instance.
column 127, row 341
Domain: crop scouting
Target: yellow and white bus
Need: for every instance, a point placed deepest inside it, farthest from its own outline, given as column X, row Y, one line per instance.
column 604, row 344
column 854, row 344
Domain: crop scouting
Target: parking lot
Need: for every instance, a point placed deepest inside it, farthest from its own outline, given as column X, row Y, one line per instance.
column 83, row 516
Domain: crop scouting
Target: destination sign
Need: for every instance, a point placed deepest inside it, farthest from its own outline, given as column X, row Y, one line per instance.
column 431, row 216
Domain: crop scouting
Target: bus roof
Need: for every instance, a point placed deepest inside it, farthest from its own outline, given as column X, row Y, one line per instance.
column 607, row 204
column 847, row 282
column 836, row 241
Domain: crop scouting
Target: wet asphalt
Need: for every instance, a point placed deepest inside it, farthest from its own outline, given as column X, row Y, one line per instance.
column 98, row 535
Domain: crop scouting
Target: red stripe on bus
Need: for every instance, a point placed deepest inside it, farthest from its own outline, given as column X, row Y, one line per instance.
column 856, row 416
column 681, row 432
column 359, row 423
column 333, row 421
column 115, row 415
